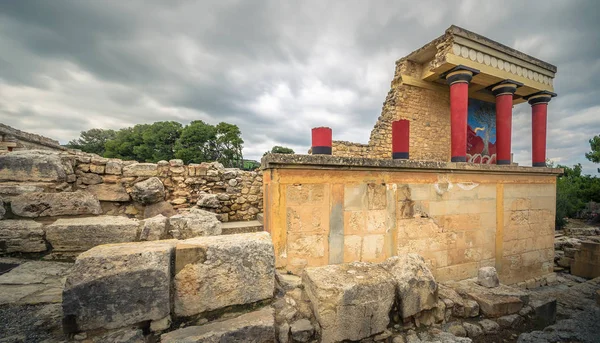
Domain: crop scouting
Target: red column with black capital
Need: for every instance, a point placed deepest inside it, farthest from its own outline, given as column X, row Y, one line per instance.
column 504, row 102
column 539, row 118
column 458, row 78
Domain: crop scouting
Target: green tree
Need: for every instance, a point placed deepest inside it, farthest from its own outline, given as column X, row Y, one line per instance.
column 280, row 150
column 197, row 143
column 92, row 140
column 594, row 155
column 145, row 142
column 229, row 145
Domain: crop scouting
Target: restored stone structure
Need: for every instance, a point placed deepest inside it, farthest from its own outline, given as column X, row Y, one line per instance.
column 12, row 139
column 327, row 210
column 431, row 88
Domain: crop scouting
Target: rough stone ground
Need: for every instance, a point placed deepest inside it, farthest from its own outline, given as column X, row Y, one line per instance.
column 33, row 313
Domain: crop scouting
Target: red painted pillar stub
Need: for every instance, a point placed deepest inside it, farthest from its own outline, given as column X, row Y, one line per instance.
column 504, row 101
column 539, row 118
column 400, row 139
column 458, row 78
column 321, row 141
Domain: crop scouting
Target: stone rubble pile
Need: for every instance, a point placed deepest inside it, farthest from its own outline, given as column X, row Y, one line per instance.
column 577, row 251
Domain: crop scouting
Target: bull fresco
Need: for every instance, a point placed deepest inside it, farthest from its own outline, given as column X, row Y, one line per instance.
column 481, row 132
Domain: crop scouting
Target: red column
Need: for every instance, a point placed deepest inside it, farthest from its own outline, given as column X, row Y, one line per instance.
column 459, row 79
column 539, row 113
column 321, row 141
column 400, row 139
column 504, row 101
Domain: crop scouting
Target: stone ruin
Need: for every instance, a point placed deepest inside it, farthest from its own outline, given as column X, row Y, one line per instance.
column 353, row 249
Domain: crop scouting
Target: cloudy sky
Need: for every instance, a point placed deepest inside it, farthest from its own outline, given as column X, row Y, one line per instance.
column 274, row 68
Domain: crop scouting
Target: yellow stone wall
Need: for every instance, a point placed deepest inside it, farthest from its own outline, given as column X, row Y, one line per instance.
column 458, row 221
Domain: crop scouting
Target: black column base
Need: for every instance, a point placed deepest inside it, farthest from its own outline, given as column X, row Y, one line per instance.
column 321, row 150
column 459, row 159
column 400, row 155
column 539, row 164
column 503, row 162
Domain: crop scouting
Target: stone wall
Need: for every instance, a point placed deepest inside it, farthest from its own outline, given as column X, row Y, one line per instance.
column 231, row 193
column 12, row 139
column 327, row 210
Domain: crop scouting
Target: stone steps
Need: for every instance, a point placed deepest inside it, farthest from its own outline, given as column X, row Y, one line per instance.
column 229, row 228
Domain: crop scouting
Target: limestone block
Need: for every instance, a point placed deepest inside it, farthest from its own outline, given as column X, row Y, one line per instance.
column 109, row 192
column 494, row 305
column 80, row 234
column 194, row 223
column 154, row 228
column 473, row 330
column 118, row 285
column 350, row 301
column 149, row 191
column 2, row 209
column 220, row 271
column 34, row 165
column 488, row 277
column 21, row 236
column 89, row 178
column 415, row 284
column 545, row 310
column 114, row 167
column 141, row 169
column 302, row 330
column 98, row 169
column 9, row 191
column 256, row 327
column 162, row 207
column 462, row 308
column 206, row 200
column 489, row 326
column 33, row 205
column 510, row 321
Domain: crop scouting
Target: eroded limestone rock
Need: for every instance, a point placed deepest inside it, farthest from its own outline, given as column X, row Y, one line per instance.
column 140, row 169
column 21, row 236
column 195, row 223
column 149, row 191
column 2, row 209
column 208, row 201
column 79, row 234
column 162, row 207
column 350, row 301
column 415, row 284
column 154, row 228
column 220, row 271
column 256, row 327
column 116, row 285
column 488, row 277
column 33, row 205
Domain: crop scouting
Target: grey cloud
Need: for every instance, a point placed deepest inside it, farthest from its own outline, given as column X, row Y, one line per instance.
column 274, row 68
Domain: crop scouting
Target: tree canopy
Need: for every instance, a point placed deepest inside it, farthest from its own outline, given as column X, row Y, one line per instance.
column 594, row 155
column 165, row 140
column 280, row 150
column 92, row 140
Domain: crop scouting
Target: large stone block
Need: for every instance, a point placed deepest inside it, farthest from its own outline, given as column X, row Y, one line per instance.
column 415, row 285
column 80, row 234
column 33, row 205
column 140, row 169
column 33, row 165
column 350, row 301
column 195, row 223
column 118, row 285
column 255, row 327
column 21, row 236
column 149, row 191
column 220, row 271
column 109, row 192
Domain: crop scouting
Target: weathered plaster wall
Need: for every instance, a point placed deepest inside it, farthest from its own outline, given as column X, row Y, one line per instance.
column 459, row 220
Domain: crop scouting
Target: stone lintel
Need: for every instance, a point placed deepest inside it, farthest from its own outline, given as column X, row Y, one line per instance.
column 284, row 161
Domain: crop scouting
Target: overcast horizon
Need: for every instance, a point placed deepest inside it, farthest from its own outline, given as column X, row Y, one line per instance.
column 275, row 69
